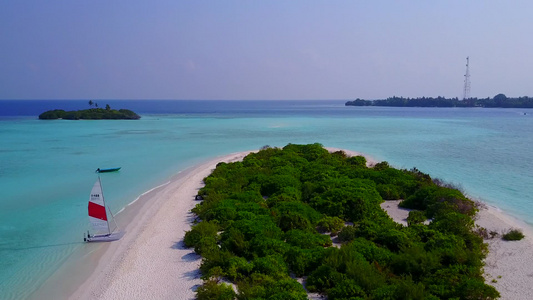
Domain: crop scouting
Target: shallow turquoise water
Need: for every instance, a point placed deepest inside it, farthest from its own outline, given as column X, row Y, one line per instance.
column 47, row 167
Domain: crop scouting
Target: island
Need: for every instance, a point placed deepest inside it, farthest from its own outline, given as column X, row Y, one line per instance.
column 285, row 222
column 90, row 114
column 499, row 100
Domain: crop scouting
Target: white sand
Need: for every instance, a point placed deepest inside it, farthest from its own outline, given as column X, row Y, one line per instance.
column 150, row 261
column 509, row 264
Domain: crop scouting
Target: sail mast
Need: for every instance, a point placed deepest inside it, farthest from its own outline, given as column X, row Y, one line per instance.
column 105, row 206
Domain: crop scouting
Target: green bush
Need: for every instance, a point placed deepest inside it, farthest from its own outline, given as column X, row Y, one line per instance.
column 346, row 289
column 416, row 217
column 306, row 240
column 347, row 233
column 302, row 261
column 389, row 191
column 238, row 268
column 358, row 161
column 206, row 245
column 211, row 290
column 199, row 231
column 323, row 278
column 513, row 235
column 330, row 224
column 271, row 265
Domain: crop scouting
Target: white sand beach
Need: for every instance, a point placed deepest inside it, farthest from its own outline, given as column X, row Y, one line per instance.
column 151, row 262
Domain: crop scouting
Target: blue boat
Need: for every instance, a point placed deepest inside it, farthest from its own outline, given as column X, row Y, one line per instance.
column 107, row 170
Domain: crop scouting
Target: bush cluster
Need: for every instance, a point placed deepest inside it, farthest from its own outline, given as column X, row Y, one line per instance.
column 264, row 222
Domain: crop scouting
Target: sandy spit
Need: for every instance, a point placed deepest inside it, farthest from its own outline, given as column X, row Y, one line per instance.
column 151, row 262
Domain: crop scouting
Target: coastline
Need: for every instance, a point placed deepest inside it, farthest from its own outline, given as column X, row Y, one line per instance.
column 150, row 261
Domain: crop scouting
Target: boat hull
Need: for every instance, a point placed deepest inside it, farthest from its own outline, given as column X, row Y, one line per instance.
column 107, row 170
column 115, row 236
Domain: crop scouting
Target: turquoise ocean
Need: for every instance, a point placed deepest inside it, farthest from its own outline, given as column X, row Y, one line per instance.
column 47, row 167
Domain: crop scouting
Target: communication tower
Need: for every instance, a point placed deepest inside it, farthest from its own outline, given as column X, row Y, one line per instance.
column 466, row 90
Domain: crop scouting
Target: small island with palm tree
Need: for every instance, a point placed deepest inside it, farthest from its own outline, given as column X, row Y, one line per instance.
column 90, row 114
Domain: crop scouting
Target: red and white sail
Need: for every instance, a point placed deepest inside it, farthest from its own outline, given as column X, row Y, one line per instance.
column 97, row 211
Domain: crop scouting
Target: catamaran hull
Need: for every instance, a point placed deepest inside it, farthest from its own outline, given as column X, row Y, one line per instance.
column 115, row 236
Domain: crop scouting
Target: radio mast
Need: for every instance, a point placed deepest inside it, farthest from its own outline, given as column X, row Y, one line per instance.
column 466, row 89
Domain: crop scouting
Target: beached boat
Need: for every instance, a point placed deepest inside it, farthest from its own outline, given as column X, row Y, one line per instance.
column 98, row 218
column 107, row 170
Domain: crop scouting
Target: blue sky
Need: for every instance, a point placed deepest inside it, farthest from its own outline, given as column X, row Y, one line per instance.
column 73, row 49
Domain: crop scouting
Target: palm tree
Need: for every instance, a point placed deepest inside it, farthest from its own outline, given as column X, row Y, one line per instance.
column 91, row 103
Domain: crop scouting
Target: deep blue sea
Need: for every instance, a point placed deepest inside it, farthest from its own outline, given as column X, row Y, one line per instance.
column 47, row 166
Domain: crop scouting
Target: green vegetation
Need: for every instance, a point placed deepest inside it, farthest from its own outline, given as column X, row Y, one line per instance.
column 499, row 100
column 90, row 114
column 263, row 223
column 513, row 235
column 213, row 290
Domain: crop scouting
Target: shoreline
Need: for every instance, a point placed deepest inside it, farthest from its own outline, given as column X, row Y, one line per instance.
column 150, row 261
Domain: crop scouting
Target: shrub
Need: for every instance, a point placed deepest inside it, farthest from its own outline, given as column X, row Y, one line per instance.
column 323, row 278
column 347, row 234
column 513, row 235
column 211, row 290
column 206, row 245
column 271, row 265
column 295, row 215
column 200, row 231
column 370, row 251
column 392, row 239
column 416, row 217
column 302, row 261
column 238, row 268
column 358, row 161
column 330, row 224
column 346, row 289
column 389, row 191
column 306, row 240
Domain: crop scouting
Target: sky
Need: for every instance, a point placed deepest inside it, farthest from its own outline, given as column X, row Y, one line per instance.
column 263, row 50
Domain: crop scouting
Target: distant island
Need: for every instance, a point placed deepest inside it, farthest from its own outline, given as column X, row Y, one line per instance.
column 499, row 100
column 90, row 114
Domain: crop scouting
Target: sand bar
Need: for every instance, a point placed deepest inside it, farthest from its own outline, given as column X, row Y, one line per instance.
column 151, row 262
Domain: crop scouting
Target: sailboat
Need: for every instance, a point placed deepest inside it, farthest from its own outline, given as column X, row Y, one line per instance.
column 98, row 217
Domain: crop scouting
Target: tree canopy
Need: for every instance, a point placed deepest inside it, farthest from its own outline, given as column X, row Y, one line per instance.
column 499, row 100
column 273, row 217
column 90, row 114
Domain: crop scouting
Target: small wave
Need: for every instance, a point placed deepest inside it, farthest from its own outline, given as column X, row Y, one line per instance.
column 139, row 197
